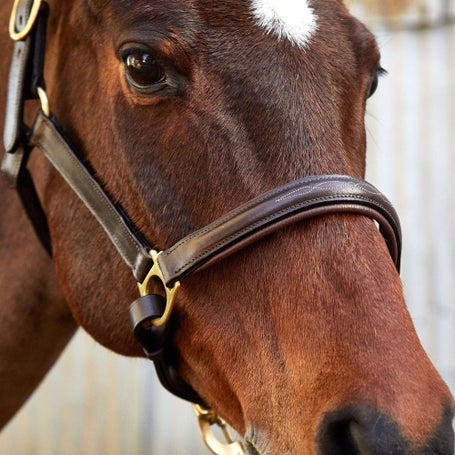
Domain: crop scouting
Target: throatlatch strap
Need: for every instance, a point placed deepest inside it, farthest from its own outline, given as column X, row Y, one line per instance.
column 32, row 206
column 26, row 74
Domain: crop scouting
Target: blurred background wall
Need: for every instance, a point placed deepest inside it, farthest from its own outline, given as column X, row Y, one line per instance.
column 95, row 403
column 399, row 14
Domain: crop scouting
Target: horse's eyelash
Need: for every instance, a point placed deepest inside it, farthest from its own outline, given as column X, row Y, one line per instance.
column 382, row 72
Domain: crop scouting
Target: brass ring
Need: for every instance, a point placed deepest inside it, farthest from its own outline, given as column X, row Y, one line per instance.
column 169, row 292
column 18, row 36
column 205, row 419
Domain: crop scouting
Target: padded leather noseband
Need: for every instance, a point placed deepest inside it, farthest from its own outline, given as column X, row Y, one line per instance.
column 300, row 200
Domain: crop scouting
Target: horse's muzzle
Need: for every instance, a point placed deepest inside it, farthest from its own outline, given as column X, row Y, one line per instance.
column 365, row 431
column 357, row 430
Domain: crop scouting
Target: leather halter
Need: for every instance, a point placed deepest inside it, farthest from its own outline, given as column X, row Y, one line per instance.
column 151, row 313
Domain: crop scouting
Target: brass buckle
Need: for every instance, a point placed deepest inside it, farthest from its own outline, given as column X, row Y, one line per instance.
column 206, row 418
column 20, row 35
column 155, row 274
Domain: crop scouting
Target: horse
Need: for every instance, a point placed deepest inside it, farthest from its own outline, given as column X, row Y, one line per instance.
column 181, row 112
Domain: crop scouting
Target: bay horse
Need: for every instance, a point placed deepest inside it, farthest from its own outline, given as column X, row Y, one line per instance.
column 180, row 112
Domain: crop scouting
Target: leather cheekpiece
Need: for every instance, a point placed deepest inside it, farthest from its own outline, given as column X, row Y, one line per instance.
column 47, row 135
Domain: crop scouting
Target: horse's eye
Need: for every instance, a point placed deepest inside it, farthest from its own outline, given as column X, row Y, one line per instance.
column 142, row 70
column 373, row 85
column 374, row 81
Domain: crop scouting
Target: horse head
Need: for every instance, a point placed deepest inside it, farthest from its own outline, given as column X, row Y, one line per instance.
column 188, row 109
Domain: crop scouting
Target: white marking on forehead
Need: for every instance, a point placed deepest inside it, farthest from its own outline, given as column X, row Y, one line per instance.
column 294, row 20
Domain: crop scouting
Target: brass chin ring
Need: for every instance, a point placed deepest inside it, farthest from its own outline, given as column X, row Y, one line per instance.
column 206, row 418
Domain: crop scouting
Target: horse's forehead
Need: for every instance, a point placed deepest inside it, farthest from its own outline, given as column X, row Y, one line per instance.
column 286, row 19
column 295, row 21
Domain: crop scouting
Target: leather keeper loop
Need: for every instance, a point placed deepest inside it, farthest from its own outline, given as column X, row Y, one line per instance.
column 157, row 347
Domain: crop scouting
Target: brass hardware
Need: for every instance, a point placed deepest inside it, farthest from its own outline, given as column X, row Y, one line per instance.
column 44, row 101
column 170, row 292
column 20, row 35
column 205, row 419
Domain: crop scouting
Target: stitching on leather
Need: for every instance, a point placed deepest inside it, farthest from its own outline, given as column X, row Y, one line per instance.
column 117, row 241
column 246, row 206
column 361, row 185
column 289, row 209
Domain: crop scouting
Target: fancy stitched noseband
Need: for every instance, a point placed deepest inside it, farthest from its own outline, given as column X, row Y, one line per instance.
column 151, row 313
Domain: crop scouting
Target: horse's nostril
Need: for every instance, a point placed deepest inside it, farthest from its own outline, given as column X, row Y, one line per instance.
column 337, row 437
column 364, row 431
column 382, row 437
column 360, row 430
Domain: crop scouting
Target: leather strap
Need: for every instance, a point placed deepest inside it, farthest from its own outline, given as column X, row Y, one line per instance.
column 26, row 74
column 47, row 135
column 296, row 201
column 34, row 209
column 17, row 83
column 157, row 345
column 35, row 72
